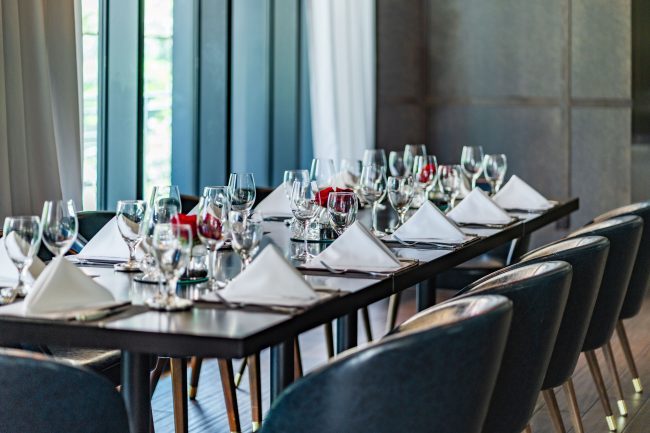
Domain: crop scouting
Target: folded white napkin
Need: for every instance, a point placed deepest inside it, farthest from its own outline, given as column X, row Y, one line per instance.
column 275, row 204
column 108, row 244
column 8, row 271
column 356, row 249
column 478, row 208
column 428, row 223
column 269, row 280
column 344, row 179
column 195, row 210
column 63, row 287
column 517, row 194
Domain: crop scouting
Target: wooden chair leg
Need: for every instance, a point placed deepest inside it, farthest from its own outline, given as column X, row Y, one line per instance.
column 179, row 392
column 393, row 306
column 229, row 393
column 365, row 315
column 576, row 418
column 329, row 339
column 554, row 410
column 240, row 373
column 592, row 362
column 254, row 377
column 297, row 360
column 627, row 351
column 611, row 364
column 194, row 379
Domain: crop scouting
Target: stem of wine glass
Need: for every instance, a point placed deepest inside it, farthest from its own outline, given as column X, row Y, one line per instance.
column 20, row 287
column 474, row 179
column 374, row 216
column 305, row 233
column 212, row 272
column 131, row 252
column 171, row 287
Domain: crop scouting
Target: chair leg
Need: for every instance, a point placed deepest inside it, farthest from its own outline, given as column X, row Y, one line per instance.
column 154, row 377
column 554, row 410
column 592, row 362
column 528, row 429
column 179, row 391
column 194, row 379
column 329, row 339
column 297, row 360
column 229, row 394
column 254, row 377
column 365, row 315
column 393, row 306
column 611, row 363
column 576, row 418
column 240, row 372
column 627, row 351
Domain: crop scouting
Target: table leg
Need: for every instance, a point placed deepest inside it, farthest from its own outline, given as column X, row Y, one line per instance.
column 135, row 389
column 282, row 369
column 426, row 294
column 346, row 332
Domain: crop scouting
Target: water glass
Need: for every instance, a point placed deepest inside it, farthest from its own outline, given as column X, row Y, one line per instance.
column 342, row 208
column 375, row 157
column 60, row 226
column 400, row 195
column 396, row 163
column 166, row 194
column 372, row 189
column 163, row 212
column 305, row 207
column 246, row 235
column 471, row 161
column 349, row 171
column 290, row 176
column 322, row 172
column 211, row 221
column 22, row 237
column 241, row 191
column 410, row 152
column 450, row 179
column 494, row 168
column 130, row 217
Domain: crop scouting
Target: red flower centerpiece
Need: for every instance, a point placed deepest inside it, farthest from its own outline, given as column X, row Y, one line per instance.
column 324, row 194
column 427, row 173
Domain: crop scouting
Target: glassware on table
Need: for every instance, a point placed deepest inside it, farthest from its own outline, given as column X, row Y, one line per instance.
column 165, row 194
column 471, row 161
column 59, row 226
column 22, row 238
column 130, row 217
column 246, row 235
column 164, row 212
column 241, row 192
column 450, row 179
column 375, row 156
column 211, row 220
column 396, row 163
column 410, row 152
column 372, row 188
column 322, row 172
column 342, row 208
column 400, row 195
column 494, row 169
column 349, row 171
column 172, row 248
column 425, row 174
column 291, row 176
column 305, row 207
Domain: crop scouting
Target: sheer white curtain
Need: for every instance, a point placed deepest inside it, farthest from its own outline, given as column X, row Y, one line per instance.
column 40, row 132
column 342, row 76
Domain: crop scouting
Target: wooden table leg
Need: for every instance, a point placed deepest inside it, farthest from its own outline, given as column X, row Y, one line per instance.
column 136, row 389
column 179, row 392
column 229, row 393
column 255, row 382
column 196, row 372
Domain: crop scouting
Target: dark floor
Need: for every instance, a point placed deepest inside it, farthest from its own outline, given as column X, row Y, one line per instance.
column 207, row 413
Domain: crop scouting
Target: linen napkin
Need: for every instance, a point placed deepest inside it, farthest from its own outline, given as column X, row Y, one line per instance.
column 269, row 280
column 428, row 223
column 517, row 194
column 8, row 271
column 356, row 249
column 478, row 208
column 108, row 245
column 275, row 204
column 64, row 287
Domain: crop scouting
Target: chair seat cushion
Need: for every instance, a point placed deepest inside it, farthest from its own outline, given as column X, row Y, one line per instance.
column 105, row 362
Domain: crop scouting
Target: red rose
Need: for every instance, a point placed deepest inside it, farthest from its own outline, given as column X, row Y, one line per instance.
column 189, row 220
column 323, row 194
column 427, row 173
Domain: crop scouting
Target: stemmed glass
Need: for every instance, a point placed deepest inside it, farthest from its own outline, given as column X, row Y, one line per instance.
column 400, row 195
column 450, row 179
column 172, row 247
column 471, row 161
column 22, row 237
column 290, row 176
column 59, row 225
column 241, row 191
column 350, row 170
column 210, row 221
column 396, row 163
column 130, row 216
column 375, row 156
column 163, row 211
column 410, row 152
column 305, row 207
column 494, row 168
column 322, row 172
column 167, row 194
column 425, row 174
column 342, row 210
column 246, row 235
column 372, row 188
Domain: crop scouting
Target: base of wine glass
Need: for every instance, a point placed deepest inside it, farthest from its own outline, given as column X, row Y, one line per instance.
column 127, row 267
column 303, row 256
column 7, row 295
column 168, row 303
column 378, row 233
column 21, row 290
column 153, row 278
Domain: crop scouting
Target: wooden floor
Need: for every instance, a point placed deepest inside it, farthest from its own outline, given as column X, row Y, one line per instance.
column 207, row 413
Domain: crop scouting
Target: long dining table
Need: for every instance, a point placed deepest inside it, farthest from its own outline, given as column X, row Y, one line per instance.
column 220, row 331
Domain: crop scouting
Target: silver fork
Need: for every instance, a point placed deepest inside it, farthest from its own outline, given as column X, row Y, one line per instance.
column 358, row 271
column 438, row 245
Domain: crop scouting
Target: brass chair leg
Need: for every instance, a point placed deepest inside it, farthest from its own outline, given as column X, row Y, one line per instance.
column 627, row 351
column 611, row 363
column 297, row 359
column 329, row 339
column 179, row 392
column 393, row 306
column 229, row 394
column 365, row 315
column 196, row 364
column 254, row 377
column 240, row 373
column 554, row 410
column 592, row 362
column 576, row 418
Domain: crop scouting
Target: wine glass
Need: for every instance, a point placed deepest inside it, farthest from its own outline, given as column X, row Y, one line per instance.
column 349, row 171
column 471, row 161
column 241, row 191
column 164, row 212
column 494, row 168
column 167, row 194
column 425, row 171
column 213, row 211
column 375, row 156
column 305, row 207
column 410, row 152
column 400, row 195
column 292, row 175
column 60, row 226
column 22, row 237
column 372, row 188
column 172, row 247
column 246, row 236
column 396, row 163
column 322, row 172
column 342, row 210
column 130, row 216
column 450, row 179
